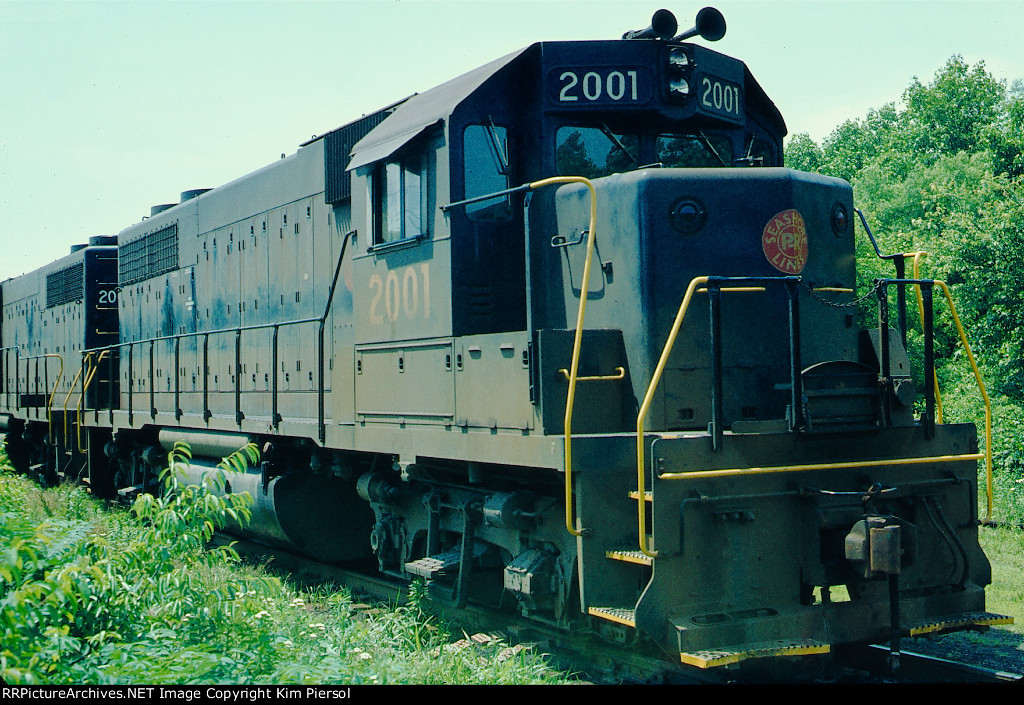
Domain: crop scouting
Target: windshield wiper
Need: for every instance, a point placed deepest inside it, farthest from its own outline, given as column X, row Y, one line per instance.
column 500, row 157
column 710, row 147
column 614, row 139
column 750, row 159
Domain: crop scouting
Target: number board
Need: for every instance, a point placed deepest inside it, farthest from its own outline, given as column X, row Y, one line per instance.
column 581, row 86
column 719, row 97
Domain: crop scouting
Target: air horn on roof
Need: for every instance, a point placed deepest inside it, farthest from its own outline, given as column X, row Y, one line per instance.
column 710, row 26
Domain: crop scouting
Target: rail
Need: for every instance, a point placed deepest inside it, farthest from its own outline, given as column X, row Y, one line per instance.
column 920, row 307
column 49, row 403
column 46, row 382
column 899, row 261
column 7, row 388
column 846, row 465
column 620, row 373
column 977, row 378
column 4, row 367
column 67, row 398
column 929, row 417
column 984, row 395
column 81, row 397
column 131, row 346
column 641, row 473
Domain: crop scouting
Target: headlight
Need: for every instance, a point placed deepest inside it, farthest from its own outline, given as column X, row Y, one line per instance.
column 678, row 72
column 679, row 87
column 688, row 215
column 677, row 58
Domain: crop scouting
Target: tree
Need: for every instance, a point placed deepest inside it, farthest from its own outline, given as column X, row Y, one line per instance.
column 951, row 114
column 1006, row 138
column 571, row 157
column 802, row 153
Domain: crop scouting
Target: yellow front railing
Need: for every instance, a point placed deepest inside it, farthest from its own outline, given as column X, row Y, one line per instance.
column 984, row 396
column 674, row 332
column 884, row 462
column 620, row 373
column 917, row 257
column 646, row 405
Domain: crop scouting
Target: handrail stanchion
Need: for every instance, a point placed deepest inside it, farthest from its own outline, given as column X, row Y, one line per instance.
column 925, row 292
column 578, row 339
column 577, row 342
column 984, row 396
column 641, row 471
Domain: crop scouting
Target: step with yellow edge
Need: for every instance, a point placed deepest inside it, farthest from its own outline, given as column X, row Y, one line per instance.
column 713, row 658
column 619, row 615
column 960, row 621
column 630, row 556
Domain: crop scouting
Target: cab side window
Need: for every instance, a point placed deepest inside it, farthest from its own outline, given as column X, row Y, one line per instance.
column 485, row 150
column 400, row 199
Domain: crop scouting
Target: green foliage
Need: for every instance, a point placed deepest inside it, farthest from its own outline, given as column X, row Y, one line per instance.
column 943, row 174
column 953, row 112
column 803, row 154
column 102, row 597
column 356, row 643
column 92, row 596
column 1006, row 136
column 1004, row 547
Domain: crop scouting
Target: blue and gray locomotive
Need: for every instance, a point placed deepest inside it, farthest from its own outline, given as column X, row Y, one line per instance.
column 560, row 336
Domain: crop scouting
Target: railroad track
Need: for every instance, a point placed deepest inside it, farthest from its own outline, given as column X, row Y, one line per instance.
column 599, row 662
column 874, row 662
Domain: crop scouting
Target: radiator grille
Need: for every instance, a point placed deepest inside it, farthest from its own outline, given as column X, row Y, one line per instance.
column 65, row 285
column 337, row 146
column 148, row 256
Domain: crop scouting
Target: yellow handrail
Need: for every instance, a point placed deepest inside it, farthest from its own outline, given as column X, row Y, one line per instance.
column 974, row 368
column 735, row 289
column 984, row 396
column 93, row 369
column 49, row 404
column 885, row 462
column 578, row 340
column 70, row 392
column 620, row 373
column 645, row 406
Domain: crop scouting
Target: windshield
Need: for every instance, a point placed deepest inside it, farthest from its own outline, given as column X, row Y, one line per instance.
column 597, row 151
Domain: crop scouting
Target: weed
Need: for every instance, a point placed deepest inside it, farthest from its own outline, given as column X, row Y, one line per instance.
column 98, row 596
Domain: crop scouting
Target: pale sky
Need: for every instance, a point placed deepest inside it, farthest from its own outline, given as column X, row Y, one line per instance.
column 108, row 108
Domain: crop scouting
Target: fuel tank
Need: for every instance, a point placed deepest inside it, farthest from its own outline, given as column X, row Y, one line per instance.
column 319, row 516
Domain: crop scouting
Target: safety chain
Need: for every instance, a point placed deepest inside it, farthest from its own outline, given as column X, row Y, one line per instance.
column 871, row 292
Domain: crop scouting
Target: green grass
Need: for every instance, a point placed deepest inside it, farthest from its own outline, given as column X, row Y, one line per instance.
column 104, row 596
column 1004, row 547
column 1000, row 647
column 98, row 595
